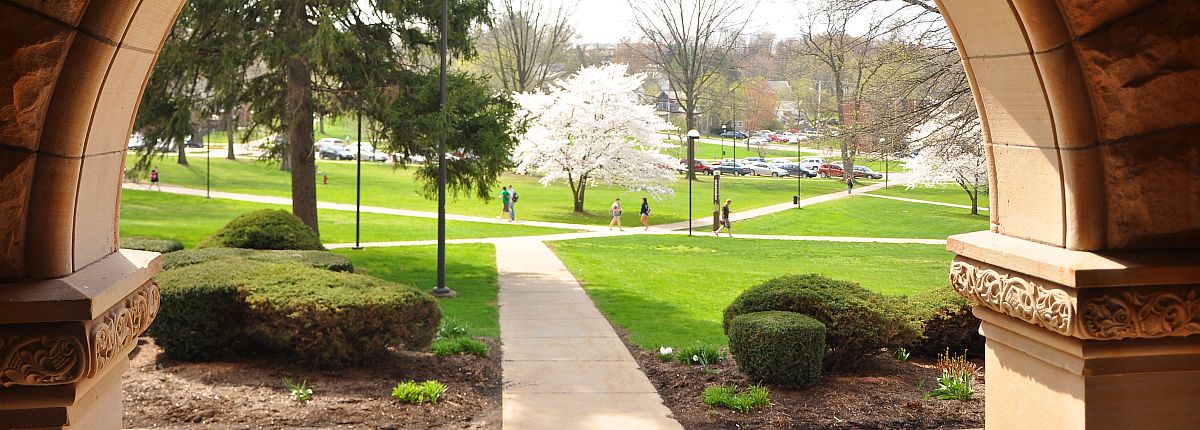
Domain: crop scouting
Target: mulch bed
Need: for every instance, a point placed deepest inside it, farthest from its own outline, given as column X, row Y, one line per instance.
column 883, row 395
column 250, row 394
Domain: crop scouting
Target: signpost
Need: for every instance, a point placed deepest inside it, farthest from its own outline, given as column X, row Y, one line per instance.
column 716, row 200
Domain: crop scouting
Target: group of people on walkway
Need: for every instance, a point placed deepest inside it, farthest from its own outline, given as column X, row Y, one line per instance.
column 724, row 223
column 508, row 196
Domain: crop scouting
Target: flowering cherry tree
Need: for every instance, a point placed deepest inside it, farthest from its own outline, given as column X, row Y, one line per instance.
column 949, row 150
column 591, row 129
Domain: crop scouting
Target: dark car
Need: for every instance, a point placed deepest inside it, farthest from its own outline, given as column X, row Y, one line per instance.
column 331, row 152
column 734, row 135
column 796, row 169
column 733, row 169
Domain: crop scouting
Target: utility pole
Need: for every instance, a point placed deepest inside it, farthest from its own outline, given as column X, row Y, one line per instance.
column 441, row 290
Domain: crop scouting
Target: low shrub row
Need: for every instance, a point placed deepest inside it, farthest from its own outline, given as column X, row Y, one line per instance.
column 162, row 246
column 264, row 229
column 318, row 259
column 236, row 307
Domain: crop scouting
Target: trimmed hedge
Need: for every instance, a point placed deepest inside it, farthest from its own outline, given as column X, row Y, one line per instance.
column 778, row 347
column 264, row 229
column 319, row 259
column 162, row 246
column 946, row 323
column 231, row 307
column 857, row 321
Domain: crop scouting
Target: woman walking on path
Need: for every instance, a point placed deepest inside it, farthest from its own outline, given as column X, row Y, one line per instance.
column 725, row 222
column 154, row 178
column 504, row 198
column 512, row 203
column 616, row 215
column 645, row 213
column 850, row 185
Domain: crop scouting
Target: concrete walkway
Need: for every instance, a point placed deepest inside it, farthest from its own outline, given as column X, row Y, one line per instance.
column 737, row 215
column 564, row 366
column 903, row 199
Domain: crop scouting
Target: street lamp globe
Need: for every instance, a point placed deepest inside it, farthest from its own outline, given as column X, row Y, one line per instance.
column 693, row 134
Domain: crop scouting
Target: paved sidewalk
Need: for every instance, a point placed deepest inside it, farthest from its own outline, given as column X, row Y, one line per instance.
column 564, row 366
column 767, row 210
column 923, row 201
column 366, row 209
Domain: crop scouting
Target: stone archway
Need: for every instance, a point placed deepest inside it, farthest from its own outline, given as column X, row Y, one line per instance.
column 71, row 303
column 1088, row 279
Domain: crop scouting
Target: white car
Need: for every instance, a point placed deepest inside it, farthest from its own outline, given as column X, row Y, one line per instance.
column 328, row 141
column 762, row 169
column 779, row 162
column 812, row 163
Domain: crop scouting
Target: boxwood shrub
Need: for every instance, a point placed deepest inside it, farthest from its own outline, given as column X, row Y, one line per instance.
column 231, row 307
column 150, row 244
column 857, row 321
column 319, row 259
column 264, row 229
column 946, row 323
column 778, row 347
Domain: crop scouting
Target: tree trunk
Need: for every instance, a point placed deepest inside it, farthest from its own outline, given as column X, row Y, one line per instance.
column 321, row 123
column 300, row 126
column 974, row 202
column 579, row 194
column 181, row 147
column 230, row 131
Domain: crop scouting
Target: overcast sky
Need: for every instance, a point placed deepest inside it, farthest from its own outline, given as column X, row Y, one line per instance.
column 607, row 21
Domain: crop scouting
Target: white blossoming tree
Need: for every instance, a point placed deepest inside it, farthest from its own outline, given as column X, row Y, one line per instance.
column 950, row 150
column 591, row 129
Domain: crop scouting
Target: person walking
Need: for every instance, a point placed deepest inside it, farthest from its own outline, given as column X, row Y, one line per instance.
column 726, row 223
column 645, row 214
column 850, row 185
column 154, row 179
column 504, row 199
column 616, row 215
column 512, row 203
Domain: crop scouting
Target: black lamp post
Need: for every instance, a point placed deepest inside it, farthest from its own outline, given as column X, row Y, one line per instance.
column 358, row 187
column 208, row 166
column 691, row 157
column 885, row 162
column 441, row 290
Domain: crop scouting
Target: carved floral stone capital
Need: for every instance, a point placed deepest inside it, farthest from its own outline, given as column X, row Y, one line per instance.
column 1090, row 313
column 64, row 353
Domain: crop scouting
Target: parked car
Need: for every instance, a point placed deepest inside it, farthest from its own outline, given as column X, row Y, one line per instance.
column 777, row 137
column 796, row 169
column 826, row 170
column 137, row 141
column 329, row 141
column 866, row 172
column 734, row 135
column 336, row 153
column 779, row 162
column 732, row 168
column 812, row 163
column 754, row 160
column 701, row 167
column 762, row 169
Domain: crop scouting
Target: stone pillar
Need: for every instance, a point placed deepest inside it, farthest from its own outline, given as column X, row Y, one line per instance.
column 71, row 304
column 1087, row 283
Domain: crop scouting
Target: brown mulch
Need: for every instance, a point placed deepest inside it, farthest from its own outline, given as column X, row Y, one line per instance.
column 250, row 394
column 882, row 395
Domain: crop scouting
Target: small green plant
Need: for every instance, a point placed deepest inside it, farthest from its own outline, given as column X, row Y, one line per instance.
column 459, row 345
column 958, row 378
column 741, row 401
column 452, row 328
column 700, row 355
column 298, row 392
column 901, row 355
column 666, row 354
column 418, row 393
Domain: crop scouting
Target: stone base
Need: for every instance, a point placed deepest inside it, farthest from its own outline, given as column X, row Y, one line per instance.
column 1037, row 379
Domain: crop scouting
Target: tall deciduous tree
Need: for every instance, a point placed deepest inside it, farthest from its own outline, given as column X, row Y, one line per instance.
column 592, row 129
column 527, row 42
column 691, row 42
column 290, row 49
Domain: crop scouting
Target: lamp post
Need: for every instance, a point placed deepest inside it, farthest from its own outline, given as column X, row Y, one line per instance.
column 799, row 174
column 358, row 187
column 691, row 157
column 885, row 162
column 441, row 290
column 207, row 167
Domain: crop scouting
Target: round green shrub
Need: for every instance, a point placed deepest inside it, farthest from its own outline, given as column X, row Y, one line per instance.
column 264, row 229
column 857, row 321
column 946, row 323
column 778, row 347
column 231, row 307
column 319, row 259
column 162, row 246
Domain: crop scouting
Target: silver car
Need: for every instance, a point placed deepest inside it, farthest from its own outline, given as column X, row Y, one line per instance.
column 762, row 169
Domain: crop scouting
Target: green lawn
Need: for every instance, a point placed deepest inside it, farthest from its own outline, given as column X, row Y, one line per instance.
column 672, row 291
column 385, row 186
column 190, row 219
column 940, row 193
column 861, row 216
column 470, row 271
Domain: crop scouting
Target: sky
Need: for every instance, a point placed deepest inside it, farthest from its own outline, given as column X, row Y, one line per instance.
column 607, row 21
